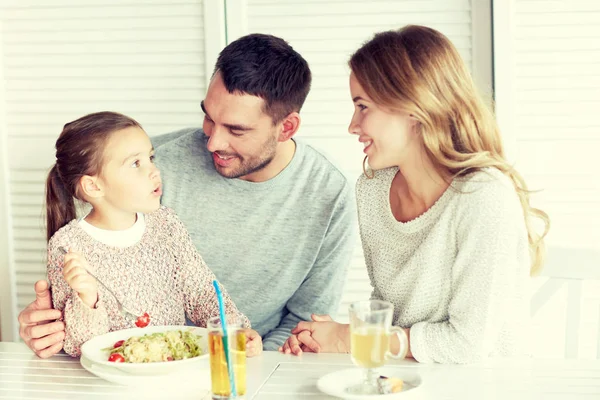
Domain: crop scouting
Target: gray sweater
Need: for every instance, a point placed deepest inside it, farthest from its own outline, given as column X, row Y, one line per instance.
column 282, row 247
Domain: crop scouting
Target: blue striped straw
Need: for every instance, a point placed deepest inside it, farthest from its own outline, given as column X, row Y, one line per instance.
column 225, row 339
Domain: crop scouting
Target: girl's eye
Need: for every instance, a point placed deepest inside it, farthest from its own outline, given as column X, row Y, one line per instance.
column 136, row 164
column 152, row 158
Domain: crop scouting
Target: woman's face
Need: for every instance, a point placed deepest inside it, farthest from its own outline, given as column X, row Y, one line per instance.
column 389, row 138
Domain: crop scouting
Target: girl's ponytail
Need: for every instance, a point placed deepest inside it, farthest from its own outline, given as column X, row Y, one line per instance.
column 60, row 205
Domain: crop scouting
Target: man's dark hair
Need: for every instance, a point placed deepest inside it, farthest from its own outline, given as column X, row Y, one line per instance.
column 268, row 67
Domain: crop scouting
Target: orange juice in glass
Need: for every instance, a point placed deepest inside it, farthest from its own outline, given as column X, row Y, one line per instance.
column 219, row 376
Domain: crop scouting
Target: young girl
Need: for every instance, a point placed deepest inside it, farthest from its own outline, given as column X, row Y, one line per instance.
column 139, row 249
column 445, row 220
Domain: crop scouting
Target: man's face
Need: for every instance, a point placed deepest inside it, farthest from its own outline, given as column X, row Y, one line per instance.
column 241, row 137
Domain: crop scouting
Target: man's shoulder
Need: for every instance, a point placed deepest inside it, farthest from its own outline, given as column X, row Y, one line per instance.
column 322, row 169
column 174, row 138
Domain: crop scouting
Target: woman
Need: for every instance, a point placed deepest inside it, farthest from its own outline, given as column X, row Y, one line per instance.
column 445, row 221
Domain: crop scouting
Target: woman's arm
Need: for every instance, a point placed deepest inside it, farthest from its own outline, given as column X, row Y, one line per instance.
column 492, row 258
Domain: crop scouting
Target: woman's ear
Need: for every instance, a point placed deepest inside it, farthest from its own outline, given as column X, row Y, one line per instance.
column 289, row 126
column 90, row 187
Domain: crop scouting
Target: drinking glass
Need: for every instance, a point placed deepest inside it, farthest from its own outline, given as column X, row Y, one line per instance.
column 370, row 337
column 221, row 389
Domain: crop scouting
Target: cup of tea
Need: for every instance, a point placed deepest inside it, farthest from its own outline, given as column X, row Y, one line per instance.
column 371, row 331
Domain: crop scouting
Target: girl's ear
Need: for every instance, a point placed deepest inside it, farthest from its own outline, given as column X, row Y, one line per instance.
column 90, row 187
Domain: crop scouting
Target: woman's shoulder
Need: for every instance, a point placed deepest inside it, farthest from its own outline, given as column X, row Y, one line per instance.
column 487, row 191
column 380, row 180
column 485, row 182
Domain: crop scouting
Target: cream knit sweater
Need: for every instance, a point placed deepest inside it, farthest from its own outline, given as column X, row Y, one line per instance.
column 457, row 275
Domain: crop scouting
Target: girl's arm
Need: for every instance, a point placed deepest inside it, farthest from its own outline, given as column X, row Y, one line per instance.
column 197, row 280
column 81, row 322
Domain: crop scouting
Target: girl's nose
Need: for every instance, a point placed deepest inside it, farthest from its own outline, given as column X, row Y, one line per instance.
column 155, row 173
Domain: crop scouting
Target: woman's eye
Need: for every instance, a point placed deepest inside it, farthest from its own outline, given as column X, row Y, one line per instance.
column 152, row 158
column 361, row 107
column 136, row 164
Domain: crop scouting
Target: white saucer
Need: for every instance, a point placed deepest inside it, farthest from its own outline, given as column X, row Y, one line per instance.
column 337, row 383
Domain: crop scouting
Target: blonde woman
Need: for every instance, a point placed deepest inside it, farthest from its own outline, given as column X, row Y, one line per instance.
column 445, row 220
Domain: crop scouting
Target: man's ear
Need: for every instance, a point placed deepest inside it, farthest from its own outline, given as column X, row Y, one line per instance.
column 289, row 126
column 90, row 187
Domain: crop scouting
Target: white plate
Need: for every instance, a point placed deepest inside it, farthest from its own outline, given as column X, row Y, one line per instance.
column 93, row 350
column 193, row 380
column 337, row 383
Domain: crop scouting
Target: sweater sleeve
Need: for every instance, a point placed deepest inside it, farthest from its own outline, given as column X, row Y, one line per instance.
column 491, row 237
column 82, row 323
column 199, row 293
column 321, row 290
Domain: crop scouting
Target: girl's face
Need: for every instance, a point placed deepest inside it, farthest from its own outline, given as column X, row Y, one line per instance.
column 129, row 180
column 389, row 138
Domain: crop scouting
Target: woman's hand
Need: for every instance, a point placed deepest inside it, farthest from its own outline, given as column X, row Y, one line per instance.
column 254, row 345
column 322, row 335
column 76, row 275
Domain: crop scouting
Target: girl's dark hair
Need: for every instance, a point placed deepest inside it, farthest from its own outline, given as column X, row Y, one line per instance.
column 79, row 152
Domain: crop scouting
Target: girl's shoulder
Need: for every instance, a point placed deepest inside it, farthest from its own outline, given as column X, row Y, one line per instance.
column 69, row 236
column 164, row 217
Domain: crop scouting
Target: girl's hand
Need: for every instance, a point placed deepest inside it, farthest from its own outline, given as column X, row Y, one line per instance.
column 76, row 276
column 254, row 345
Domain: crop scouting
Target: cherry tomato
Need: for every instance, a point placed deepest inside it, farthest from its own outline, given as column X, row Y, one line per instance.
column 118, row 344
column 143, row 321
column 116, row 357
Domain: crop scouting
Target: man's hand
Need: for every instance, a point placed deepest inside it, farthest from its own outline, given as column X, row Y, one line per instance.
column 38, row 326
column 254, row 346
column 321, row 335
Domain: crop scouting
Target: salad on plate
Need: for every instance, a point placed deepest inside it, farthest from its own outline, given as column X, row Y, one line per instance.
column 157, row 347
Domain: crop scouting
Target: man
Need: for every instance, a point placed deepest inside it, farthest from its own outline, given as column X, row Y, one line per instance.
column 270, row 215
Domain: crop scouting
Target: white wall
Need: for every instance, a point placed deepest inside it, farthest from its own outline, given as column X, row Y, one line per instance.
column 66, row 58
column 547, row 94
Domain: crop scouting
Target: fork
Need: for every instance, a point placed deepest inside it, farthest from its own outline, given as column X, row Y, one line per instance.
column 124, row 311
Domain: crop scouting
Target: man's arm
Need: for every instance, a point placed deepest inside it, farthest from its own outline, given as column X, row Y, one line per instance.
column 38, row 325
column 321, row 291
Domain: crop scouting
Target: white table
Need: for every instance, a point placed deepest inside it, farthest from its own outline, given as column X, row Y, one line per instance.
column 276, row 376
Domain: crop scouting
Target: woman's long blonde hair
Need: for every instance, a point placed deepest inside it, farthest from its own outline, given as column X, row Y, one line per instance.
column 419, row 71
